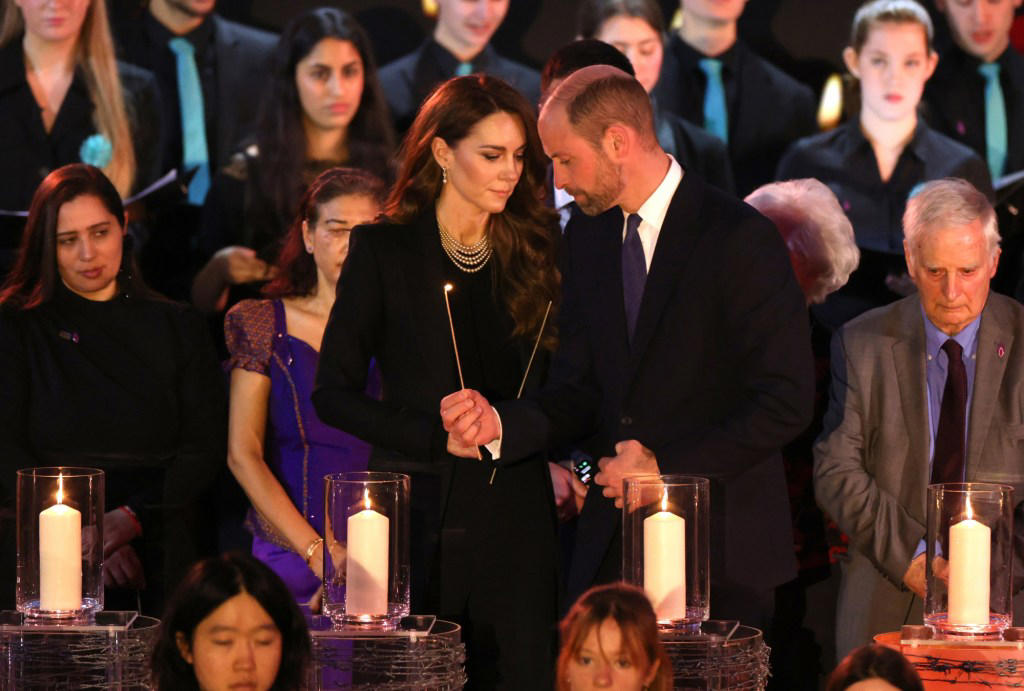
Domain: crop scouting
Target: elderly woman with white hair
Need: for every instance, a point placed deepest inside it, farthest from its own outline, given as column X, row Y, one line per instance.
column 823, row 253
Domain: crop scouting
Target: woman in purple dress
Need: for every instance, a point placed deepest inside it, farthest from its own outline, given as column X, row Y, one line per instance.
column 278, row 449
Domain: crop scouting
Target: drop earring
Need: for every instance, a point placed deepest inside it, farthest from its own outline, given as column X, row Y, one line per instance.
column 444, row 175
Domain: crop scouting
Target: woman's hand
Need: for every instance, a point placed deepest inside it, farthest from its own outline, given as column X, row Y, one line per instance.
column 241, row 265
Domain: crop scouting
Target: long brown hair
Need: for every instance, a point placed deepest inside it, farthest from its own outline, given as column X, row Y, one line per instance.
column 524, row 235
column 94, row 55
column 631, row 611
column 296, row 270
column 34, row 277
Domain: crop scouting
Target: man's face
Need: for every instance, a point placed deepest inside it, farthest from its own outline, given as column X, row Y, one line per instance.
column 952, row 267
column 714, row 11
column 470, row 23
column 192, row 8
column 980, row 27
column 587, row 173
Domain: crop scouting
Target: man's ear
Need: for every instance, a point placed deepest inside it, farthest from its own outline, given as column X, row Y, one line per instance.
column 616, row 142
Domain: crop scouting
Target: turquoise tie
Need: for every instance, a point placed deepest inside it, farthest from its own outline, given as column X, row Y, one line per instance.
column 995, row 119
column 463, row 69
column 716, row 117
column 193, row 120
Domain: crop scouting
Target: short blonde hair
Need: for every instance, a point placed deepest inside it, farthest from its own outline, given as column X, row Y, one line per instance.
column 948, row 203
column 817, row 233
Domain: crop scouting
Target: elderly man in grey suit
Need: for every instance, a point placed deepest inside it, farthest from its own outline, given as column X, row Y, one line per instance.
column 927, row 389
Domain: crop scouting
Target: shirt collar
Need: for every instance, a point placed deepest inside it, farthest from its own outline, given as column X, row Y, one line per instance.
column 855, row 140
column 690, row 56
column 562, row 198
column 934, row 338
column 448, row 62
column 654, row 210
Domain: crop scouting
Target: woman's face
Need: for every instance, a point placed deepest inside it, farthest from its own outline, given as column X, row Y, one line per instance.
column 327, row 240
column 639, row 42
column 53, row 20
column 330, row 84
column 892, row 66
column 603, row 662
column 484, row 167
column 469, row 24
column 237, row 646
column 89, row 243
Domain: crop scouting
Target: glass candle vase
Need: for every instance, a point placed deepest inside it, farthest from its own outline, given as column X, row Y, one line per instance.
column 969, row 543
column 366, row 558
column 60, row 542
column 665, row 545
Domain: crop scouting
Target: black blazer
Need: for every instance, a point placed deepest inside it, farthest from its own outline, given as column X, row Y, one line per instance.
column 768, row 109
column 718, row 380
column 695, row 149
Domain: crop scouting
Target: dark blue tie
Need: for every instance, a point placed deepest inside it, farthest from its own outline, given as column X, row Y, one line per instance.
column 634, row 272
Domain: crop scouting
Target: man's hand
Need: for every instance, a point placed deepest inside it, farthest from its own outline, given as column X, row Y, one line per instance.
column 123, row 569
column 569, row 491
column 631, row 458
column 469, row 420
column 241, row 265
column 118, row 530
column 914, row 577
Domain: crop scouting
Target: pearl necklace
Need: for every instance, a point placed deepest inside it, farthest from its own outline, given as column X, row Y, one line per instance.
column 468, row 258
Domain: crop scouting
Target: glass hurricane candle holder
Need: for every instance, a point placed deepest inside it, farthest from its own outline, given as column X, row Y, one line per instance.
column 366, row 557
column 665, row 545
column 969, row 542
column 60, row 542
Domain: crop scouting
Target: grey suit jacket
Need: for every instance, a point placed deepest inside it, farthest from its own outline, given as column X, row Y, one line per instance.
column 871, row 462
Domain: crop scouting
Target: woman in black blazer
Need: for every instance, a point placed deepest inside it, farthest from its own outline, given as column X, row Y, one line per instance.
column 466, row 210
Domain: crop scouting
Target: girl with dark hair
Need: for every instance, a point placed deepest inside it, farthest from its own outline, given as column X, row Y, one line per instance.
column 99, row 371
column 278, row 449
column 467, row 211
column 323, row 107
column 232, row 623
column 875, row 668
column 610, row 641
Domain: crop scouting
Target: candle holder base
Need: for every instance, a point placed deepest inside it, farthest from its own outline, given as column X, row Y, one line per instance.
column 691, row 624
column 992, row 631
column 85, row 613
column 367, row 622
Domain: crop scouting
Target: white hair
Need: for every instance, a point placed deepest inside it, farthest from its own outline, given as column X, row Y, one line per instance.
column 947, row 203
column 815, row 229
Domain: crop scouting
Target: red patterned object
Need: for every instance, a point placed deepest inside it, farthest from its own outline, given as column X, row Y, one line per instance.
column 948, row 665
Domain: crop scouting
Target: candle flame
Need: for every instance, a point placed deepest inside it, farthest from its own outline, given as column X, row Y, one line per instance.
column 60, row 488
column 366, row 498
column 448, row 287
column 664, row 500
column 970, row 511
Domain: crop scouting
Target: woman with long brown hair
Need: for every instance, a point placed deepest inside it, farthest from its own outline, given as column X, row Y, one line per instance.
column 466, row 211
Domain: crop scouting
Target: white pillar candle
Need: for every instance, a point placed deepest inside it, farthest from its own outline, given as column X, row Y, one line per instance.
column 969, row 558
column 60, row 555
column 665, row 562
column 366, row 571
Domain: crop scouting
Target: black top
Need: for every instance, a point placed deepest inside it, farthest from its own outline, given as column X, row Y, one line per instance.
column 410, row 79
column 123, row 384
column 28, row 153
column 844, row 160
column 955, row 100
column 228, row 55
column 768, row 109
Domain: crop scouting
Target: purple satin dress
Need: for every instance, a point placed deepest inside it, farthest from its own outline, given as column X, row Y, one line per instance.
column 298, row 448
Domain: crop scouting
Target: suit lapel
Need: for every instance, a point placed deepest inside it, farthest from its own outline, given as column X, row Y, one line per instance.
column 678, row 234
column 425, row 281
column 229, row 76
column 908, row 354
column 990, row 367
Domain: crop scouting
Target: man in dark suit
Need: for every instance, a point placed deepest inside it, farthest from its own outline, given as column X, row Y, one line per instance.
column 928, row 389
column 204, row 67
column 714, row 80
column 700, row 365
column 459, row 46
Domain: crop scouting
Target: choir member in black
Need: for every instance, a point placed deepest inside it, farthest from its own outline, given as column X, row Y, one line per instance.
column 636, row 28
column 958, row 96
column 715, row 80
column 63, row 99
column 209, row 71
column 98, row 371
column 460, row 45
column 467, row 210
column 874, row 162
column 322, row 107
